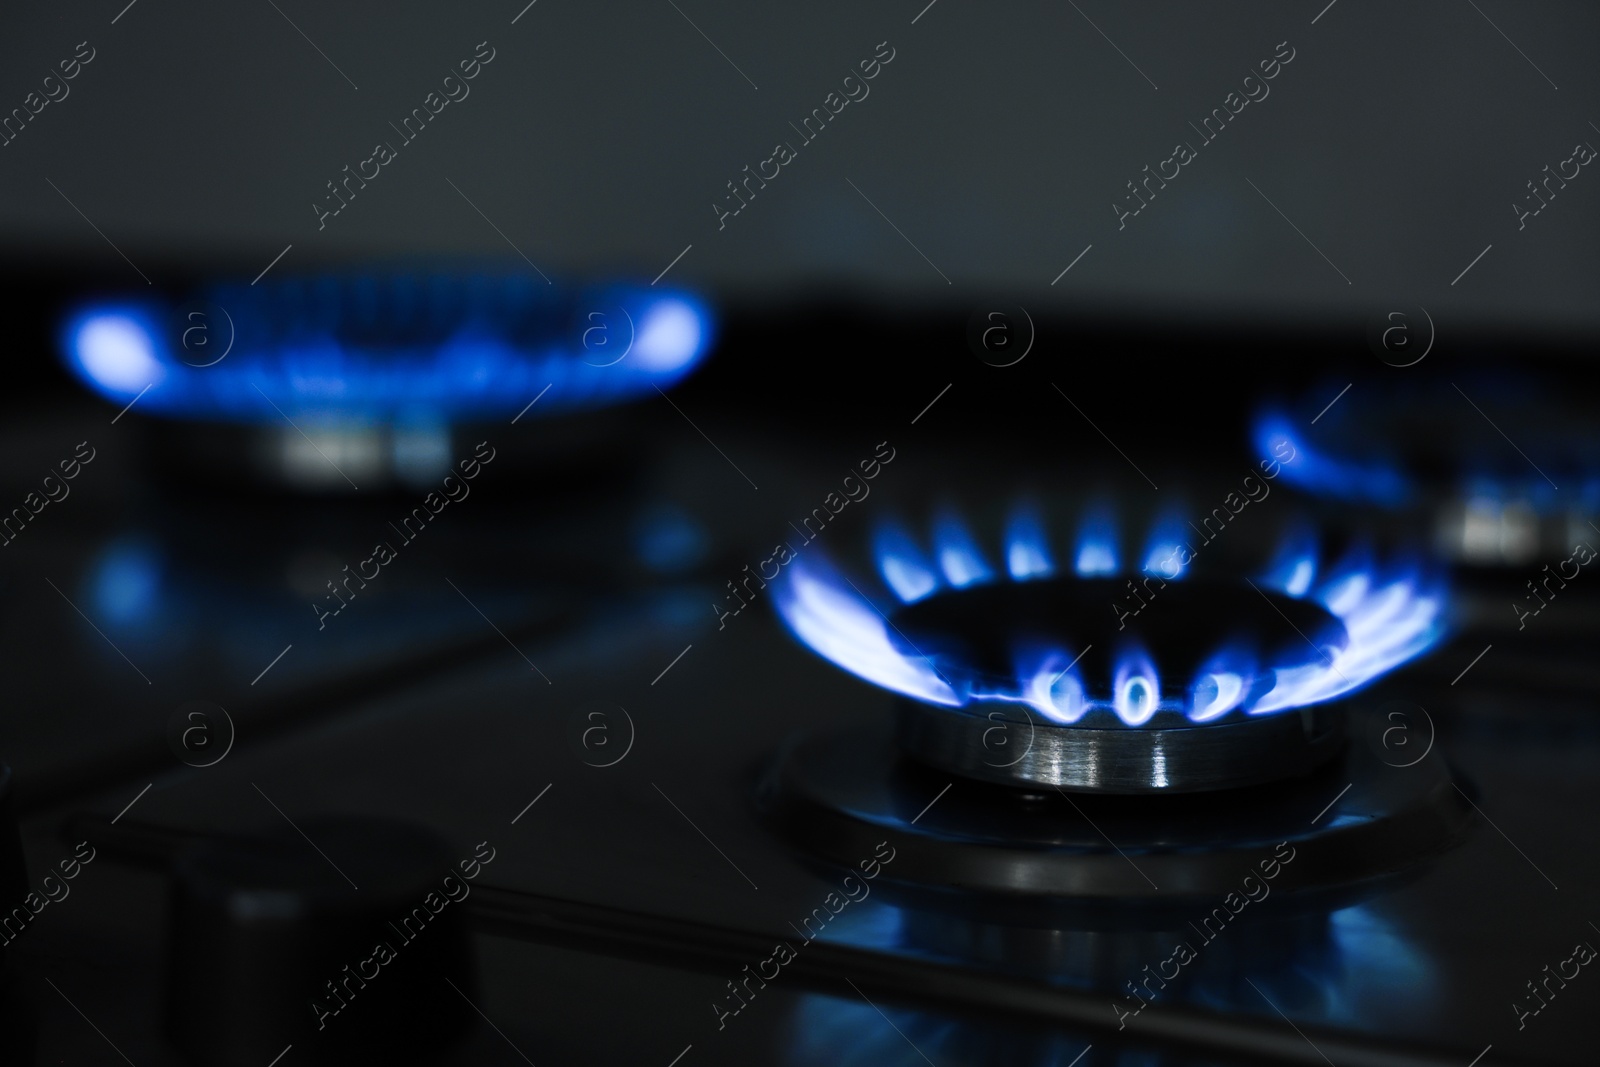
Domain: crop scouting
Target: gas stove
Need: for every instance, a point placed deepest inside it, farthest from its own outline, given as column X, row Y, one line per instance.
column 970, row 762
column 906, row 615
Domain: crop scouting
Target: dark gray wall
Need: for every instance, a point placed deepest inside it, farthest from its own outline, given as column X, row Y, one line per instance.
column 997, row 140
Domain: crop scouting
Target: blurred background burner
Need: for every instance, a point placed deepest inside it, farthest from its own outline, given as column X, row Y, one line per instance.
column 1499, row 469
column 374, row 378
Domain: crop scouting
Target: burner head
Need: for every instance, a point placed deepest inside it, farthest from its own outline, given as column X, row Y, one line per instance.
column 1142, row 740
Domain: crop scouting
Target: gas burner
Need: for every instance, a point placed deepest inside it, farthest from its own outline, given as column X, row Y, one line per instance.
column 1018, row 688
column 372, row 378
column 1433, row 448
column 1098, row 682
column 397, row 347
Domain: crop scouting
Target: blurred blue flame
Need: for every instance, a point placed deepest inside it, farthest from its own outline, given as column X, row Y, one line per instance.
column 379, row 347
column 1315, row 471
column 959, row 557
column 1163, row 553
column 1097, row 545
column 903, row 566
column 1294, row 567
column 1027, row 549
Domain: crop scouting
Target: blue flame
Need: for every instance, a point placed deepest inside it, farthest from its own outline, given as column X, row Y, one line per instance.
column 1097, row 545
column 1050, row 687
column 1389, row 611
column 1164, row 552
column 903, row 566
column 671, row 335
column 1389, row 615
column 1216, row 694
column 1047, row 685
column 1027, row 548
column 116, row 351
column 386, row 347
column 1294, row 567
column 1136, row 692
column 959, row 556
column 1224, row 683
column 835, row 621
column 1315, row 471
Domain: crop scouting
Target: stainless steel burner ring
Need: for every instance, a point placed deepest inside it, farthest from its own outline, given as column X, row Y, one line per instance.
column 1013, row 747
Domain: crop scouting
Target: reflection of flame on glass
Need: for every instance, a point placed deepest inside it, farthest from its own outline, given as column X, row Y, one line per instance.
column 1390, row 614
column 388, row 347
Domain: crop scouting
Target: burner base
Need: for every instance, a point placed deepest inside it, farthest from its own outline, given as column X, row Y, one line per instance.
column 839, row 794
